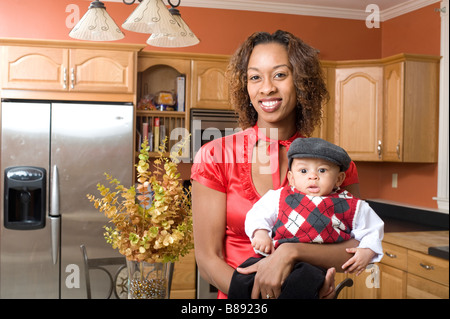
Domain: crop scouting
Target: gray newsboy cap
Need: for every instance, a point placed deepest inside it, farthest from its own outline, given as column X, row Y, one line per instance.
column 313, row 147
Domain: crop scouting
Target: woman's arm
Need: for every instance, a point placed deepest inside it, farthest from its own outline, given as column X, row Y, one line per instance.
column 209, row 216
column 325, row 255
column 273, row 270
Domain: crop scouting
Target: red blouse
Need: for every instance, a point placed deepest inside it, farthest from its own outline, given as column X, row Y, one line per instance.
column 225, row 165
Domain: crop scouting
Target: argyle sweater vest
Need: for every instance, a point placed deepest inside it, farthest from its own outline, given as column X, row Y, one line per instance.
column 314, row 219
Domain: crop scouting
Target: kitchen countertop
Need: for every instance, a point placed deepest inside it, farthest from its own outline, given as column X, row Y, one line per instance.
column 421, row 241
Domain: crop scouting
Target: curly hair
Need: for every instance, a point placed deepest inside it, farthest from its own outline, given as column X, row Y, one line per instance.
column 310, row 87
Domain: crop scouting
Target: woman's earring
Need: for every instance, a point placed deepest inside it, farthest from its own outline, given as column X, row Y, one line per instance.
column 251, row 105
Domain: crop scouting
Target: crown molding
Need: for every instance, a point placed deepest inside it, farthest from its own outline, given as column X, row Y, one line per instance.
column 278, row 7
column 404, row 8
column 301, row 9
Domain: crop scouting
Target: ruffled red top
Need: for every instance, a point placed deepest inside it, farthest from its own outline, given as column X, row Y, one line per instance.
column 225, row 165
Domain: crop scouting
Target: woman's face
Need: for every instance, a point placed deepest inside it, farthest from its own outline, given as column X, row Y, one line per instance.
column 270, row 85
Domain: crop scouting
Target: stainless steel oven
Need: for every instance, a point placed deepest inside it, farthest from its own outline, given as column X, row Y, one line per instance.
column 209, row 124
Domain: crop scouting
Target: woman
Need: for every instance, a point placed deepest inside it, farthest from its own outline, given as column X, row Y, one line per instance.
column 277, row 89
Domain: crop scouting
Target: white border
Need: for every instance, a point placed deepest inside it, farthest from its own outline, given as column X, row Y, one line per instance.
column 443, row 160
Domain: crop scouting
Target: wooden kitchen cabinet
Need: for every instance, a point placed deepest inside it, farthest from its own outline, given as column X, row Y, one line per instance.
column 405, row 271
column 209, row 84
column 365, row 285
column 393, row 272
column 392, row 282
column 158, row 72
column 184, row 278
column 101, row 71
column 35, row 68
column 387, row 109
column 35, row 65
column 205, row 85
column 358, row 113
column 408, row 271
column 411, row 106
column 326, row 128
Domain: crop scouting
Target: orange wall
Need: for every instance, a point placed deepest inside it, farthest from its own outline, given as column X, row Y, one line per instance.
column 221, row 31
column 415, row 32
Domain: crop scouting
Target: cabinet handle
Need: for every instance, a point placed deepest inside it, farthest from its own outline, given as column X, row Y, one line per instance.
column 427, row 267
column 390, row 255
column 379, row 149
column 65, row 78
column 72, row 84
column 398, row 149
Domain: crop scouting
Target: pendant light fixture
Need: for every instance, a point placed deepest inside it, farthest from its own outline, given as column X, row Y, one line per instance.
column 166, row 26
column 151, row 16
column 181, row 37
column 96, row 25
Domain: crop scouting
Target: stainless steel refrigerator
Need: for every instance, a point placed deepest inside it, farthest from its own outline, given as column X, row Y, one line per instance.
column 52, row 155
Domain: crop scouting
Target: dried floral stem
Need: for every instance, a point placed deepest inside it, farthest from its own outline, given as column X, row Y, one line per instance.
column 152, row 222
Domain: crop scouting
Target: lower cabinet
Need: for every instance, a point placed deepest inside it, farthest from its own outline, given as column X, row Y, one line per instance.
column 184, row 278
column 365, row 285
column 392, row 283
column 402, row 274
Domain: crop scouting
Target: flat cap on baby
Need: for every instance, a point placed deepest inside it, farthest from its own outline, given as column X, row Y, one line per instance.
column 313, row 147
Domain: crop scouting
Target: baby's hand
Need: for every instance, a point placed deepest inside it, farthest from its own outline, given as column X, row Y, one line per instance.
column 359, row 261
column 262, row 243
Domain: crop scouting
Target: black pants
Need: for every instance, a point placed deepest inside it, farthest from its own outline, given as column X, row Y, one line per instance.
column 304, row 282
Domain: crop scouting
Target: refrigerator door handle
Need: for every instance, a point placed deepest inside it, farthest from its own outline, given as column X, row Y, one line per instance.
column 56, row 226
column 55, row 216
column 54, row 207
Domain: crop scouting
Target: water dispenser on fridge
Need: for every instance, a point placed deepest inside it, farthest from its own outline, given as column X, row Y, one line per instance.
column 24, row 197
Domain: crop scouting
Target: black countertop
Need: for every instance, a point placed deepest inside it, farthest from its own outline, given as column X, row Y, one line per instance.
column 405, row 219
column 441, row 252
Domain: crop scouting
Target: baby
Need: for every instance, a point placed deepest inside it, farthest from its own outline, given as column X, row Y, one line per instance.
column 312, row 209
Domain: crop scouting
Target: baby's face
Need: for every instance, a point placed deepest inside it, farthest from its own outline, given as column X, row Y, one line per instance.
column 315, row 177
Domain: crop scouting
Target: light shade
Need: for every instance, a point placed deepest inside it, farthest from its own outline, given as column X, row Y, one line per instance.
column 96, row 25
column 183, row 37
column 151, row 16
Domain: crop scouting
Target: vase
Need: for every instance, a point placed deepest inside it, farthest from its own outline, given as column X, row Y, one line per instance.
column 148, row 280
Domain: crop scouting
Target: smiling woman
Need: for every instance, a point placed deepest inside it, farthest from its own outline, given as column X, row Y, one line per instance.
column 296, row 78
column 271, row 87
column 286, row 102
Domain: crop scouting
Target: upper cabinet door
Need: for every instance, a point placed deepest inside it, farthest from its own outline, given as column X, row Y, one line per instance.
column 101, row 71
column 393, row 112
column 209, row 85
column 359, row 112
column 34, row 68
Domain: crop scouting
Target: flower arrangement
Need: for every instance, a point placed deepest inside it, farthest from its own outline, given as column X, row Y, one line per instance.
column 152, row 222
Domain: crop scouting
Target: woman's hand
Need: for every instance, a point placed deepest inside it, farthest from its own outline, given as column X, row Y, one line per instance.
column 271, row 272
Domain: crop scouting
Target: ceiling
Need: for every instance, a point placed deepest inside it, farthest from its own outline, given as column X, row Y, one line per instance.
column 347, row 9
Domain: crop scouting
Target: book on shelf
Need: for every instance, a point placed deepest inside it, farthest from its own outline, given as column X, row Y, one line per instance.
column 181, row 92
column 162, row 133
column 145, row 131
column 156, row 134
column 139, row 140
